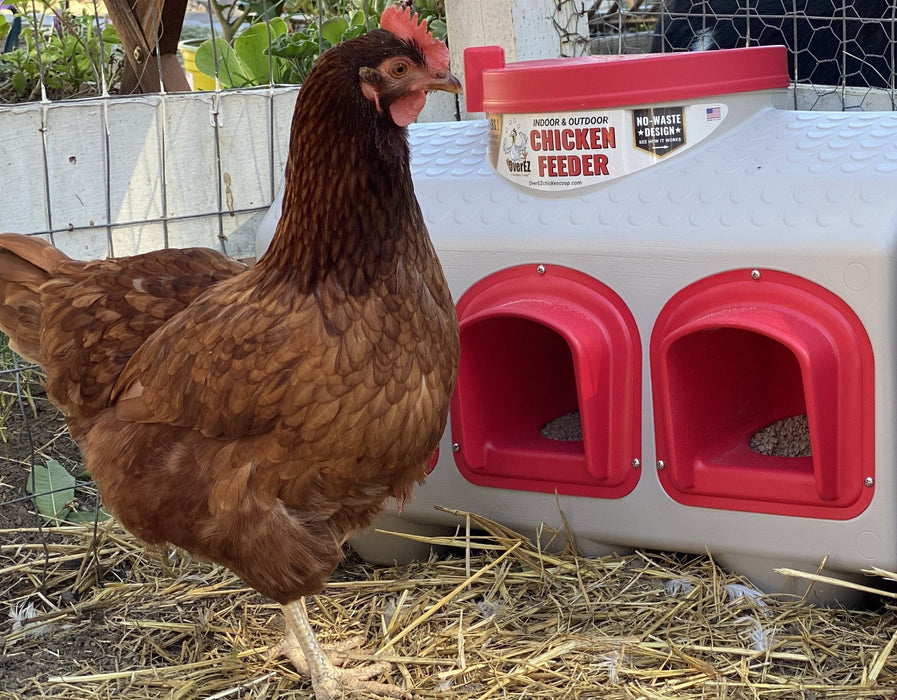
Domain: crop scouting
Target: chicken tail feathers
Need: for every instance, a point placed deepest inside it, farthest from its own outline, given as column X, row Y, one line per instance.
column 26, row 263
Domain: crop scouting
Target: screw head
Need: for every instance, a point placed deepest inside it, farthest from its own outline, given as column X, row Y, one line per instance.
column 660, row 465
column 868, row 481
column 540, row 270
column 636, row 463
column 456, row 447
column 755, row 274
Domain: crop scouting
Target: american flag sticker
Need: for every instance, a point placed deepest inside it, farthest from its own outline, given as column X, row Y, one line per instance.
column 713, row 114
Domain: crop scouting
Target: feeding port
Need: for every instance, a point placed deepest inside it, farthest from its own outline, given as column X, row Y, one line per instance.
column 763, row 397
column 549, row 384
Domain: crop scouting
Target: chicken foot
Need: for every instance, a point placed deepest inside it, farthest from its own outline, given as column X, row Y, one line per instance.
column 329, row 682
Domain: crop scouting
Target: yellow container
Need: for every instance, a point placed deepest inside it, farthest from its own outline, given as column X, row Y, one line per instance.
column 200, row 80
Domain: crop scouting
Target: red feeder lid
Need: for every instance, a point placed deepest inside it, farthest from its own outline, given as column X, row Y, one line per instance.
column 569, row 84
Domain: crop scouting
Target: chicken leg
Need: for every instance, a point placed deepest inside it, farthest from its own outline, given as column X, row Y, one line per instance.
column 329, row 682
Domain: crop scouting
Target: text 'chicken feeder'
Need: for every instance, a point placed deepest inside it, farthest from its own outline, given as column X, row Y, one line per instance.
column 657, row 246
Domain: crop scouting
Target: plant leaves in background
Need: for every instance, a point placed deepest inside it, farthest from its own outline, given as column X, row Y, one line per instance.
column 246, row 62
column 230, row 71
column 55, row 489
column 333, row 29
column 251, row 47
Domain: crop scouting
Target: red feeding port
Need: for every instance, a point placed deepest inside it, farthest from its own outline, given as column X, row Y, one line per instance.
column 741, row 350
column 539, row 342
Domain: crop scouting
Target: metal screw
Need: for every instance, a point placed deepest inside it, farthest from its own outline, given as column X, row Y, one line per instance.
column 660, row 465
column 755, row 274
column 636, row 463
column 456, row 447
column 868, row 481
column 540, row 270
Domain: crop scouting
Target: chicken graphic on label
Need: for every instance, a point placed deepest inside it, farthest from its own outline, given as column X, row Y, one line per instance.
column 515, row 144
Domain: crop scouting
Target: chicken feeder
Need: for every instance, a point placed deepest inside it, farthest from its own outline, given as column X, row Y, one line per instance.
column 657, row 255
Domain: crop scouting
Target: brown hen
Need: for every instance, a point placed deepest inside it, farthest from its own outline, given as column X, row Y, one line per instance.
column 258, row 417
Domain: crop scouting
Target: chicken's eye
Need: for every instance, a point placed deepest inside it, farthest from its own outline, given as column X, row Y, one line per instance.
column 399, row 69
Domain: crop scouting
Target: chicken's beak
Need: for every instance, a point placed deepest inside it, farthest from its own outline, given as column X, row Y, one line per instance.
column 445, row 81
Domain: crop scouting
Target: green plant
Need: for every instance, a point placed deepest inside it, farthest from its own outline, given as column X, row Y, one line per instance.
column 344, row 21
column 233, row 15
column 333, row 8
column 434, row 12
column 73, row 58
column 247, row 61
column 266, row 52
column 301, row 49
column 53, row 489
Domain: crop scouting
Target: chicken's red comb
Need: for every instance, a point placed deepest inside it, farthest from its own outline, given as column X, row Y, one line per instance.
column 408, row 27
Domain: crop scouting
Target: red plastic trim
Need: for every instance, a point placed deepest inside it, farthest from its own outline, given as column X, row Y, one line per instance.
column 477, row 60
column 731, row 354
column 589, row 82
column 433, row 461
column 534, row 346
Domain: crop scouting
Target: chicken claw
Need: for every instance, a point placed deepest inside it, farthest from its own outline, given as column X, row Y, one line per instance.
column 310, row 659
column 289, row 648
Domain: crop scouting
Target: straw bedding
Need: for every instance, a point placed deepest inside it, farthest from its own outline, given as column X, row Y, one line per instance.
column 87, row 612
column 496, row 617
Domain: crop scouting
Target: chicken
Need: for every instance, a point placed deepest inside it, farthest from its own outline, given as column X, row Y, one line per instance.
column 258, row 417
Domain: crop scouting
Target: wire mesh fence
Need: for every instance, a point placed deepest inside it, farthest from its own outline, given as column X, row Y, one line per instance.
column 841, row 53
column 111, row 162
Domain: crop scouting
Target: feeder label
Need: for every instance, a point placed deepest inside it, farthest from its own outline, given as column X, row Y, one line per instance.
column 564, row 151
column 659, row 130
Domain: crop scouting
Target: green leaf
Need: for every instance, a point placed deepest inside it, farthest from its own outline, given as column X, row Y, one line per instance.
column 353, row 32
column 333, row 29
column 299, row 53
column 251, row 48
column 438, row 28
column 87, row 516
column 230, row 72
column 357, row 20
column 279, row 26
column 110, row 36
column 53, row 488
column 19, row 83
column 295, row 47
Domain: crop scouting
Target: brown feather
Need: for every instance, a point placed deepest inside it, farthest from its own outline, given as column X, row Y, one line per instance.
column 259, row 417
column 27, row 263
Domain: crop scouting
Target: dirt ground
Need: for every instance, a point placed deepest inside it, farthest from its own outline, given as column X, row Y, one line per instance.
column 109, row 619
column 20, row 525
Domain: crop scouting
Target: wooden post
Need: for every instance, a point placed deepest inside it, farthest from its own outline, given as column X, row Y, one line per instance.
column 525, row 29
column 140, row 24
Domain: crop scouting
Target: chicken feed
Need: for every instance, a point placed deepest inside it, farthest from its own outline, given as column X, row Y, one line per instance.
column 788, row 437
